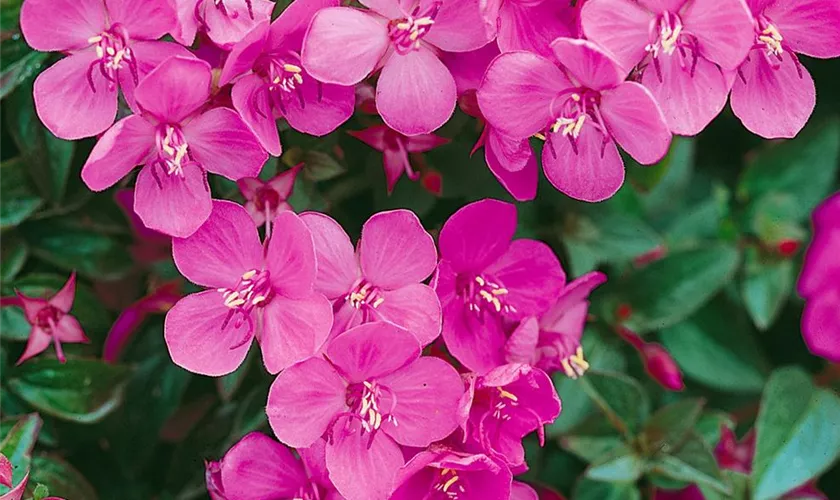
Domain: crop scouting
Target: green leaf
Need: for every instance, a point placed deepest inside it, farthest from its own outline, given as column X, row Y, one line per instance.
column 17, row 445
column 798, row 436
column 82, row 390
column 227, row 385
column 669, row 192
column 767, row 284
column 692, row 462
column 40, row 492
column 17, row 200
column 619, row 465
column 592, row 439
column 589, row 489
column 620, row 397
column 677, row 286
column 647, row 178
column 709, row 425
column 699, row 221
column 319, row 166
column 62, row 479
column 606, row 236
column 16, row 73
column 14, row 254
column 670, row 425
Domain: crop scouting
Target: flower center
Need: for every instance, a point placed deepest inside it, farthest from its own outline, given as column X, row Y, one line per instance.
column 669, row 38
column 405, row 33
column 253, row 290
column 267, row 198
column 574, row 109
column 448, row 484
column 283, row 77
column 113, row 53
column 201, row 11
column 363, row 294
column 172, row 152
column 482, row 294
column 768, row 37
column 308, row 492
column 556, row 356
column 48, row 317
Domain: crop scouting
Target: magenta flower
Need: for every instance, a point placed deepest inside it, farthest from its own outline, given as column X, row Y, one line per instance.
column 484, row 278
column 225, row 21
column 774, row 94
column 582, row 107
column 255, row 291
column 678, row 48
column 531, row 25
column 264, row 200
column 504, row 406
column 149, row 246
column 51, row 321
column 440, row 472
column 372, row 394
column 110, row 46
column 395, row 148
column 381, row 280
column 552, row 343
column 818, row 283
column 5, row 471
column 177, row 142
column 275, row 85
column 128, row 322
column 522, row 491
column 658, row 362
column 415, row 93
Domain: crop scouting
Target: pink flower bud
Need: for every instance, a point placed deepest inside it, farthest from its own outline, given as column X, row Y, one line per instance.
column 661, row 367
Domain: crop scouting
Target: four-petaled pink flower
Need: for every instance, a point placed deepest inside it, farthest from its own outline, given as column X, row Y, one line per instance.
column 582, row 107
column 177, row 141
column 51, row 321
column 111, row 46
column 774, row 94
column 381, row 280
column 256, row 291
column 224, row 21
column 275, row 85
column 371, row 394
column 415, row 93
column 484, row 278
column 679, row 49
column 265, row 199
column 440, row 472
column 395, row 148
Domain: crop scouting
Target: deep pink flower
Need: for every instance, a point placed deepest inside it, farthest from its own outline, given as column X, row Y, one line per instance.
column 255, row 290
column 265, row 199
column 582, row 107
column 128, row 322
column 382, row 279
column 658, row 362
column 522, row 491
column 484, row 279
column 415, row 93
column 531, row 24
column 504, row 406
column 818, row 283
column 5, row 471
column 213, row 480
column 552, row 342
column 733, row 454
column 225, row 21
column 51, row 321
column 395, row 148
column 688, row 493
column 679, row 48
column 177, row 142
column 774, row 94
column 372, row 394
column 444, row 473
column 275, row 85
column 110, row 46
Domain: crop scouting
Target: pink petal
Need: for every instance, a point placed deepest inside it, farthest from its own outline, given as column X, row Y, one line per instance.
column 121, row 148
column 258, row 467
column 636, row 123
column 468, row 68
column 56, row 25
column 303, row 401
column 178, row 206
column 31, row 306
column 415, row 93
column 808, row 26
column 227, row 29
column 395, row 163
column 176, row 88
column 376, row 136
column 513, row 154
column 587, row 63
column 820, row 267
column 187, row 25
column 149, row 55
column 532, row 275
column 343, row 45
column 522, row 183
column 574, row 293
column 516, row 93
column 196, row 339
column 478, row 346
column 522, row 345
column 386, row 8
column 477, row 234
column 658, row 6
column 284, row 182
column 723, row 28
column 5, row 471
column 224, row 248
column 372, row 350
column 621, row 27
column 261, row 121
column 773, row 102
column 532, row 26
column 395, row 250
column 325, row 107
column 314, row 458
column 221, row 142
column 424, row 142
column 460, row 26
column 821, row 324
column 294, row 330
column 337, row 266
column 146, row 20
column 413, row 307
column 63, row 299
column 291, row 256
column 65, row 102
column 38, row 342
column 289, row 29
column 244, row 54
column 593, row 172
column 427, row 393
column 521, row 491
column 363, row 468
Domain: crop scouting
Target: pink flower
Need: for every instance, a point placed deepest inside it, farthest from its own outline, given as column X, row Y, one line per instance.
column 258, row 467
column 225, row 21
column 658, row 362
column 128, row 322
column 774, row 94
column 504, row 406
column 149, row 246
column 381, row 280
column 818, row 283
column 110, row 46
column 395, row 148
column 264, row 200
column 415, row 93
column 5, row 471
column 552, row 343
column 732, row 454
column 275, row 85
column 582, row 107
column 444, row 473
column 484, row 279
column 531, row 25
column 255, row 290
column 372, row 394
column 679, row 49
column 177, row 142
column 523, row 491
column 51, row 321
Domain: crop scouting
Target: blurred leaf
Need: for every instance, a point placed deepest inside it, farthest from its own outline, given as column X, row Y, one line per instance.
column 738, row 485
column 592, row 439
column 699, row 221
column 709, row 424
column 769, row 219
column 227, row 385
column 798, row 435
column 14, row 254
column 669, row 426
column 619, row 465
column 601, row 236
column 16, row 73
column 692, row 462
column 17, row 445
column 766, row 287
column 82, row 390
column 319, row 166
column 669, row 191
column 620, row 397
column 62, row 479
column 646, row 178
column 17, row 200
column 40, row 492
column 589, row 489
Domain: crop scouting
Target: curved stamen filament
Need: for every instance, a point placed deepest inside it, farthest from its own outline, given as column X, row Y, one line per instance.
column 112, row 54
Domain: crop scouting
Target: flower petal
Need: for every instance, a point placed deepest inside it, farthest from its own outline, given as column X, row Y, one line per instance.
column 532, row 275
column 363, row 468
column 63, row 299
column 149, row 55
column 821, row 324
column 592, row 172
column 294, row 330
column 146, row 20
column 337, row 266
column 38, row 342
column 478, row 346
column 621, row 27
column 372, row 350
column 244, row 54
column 414, row 307
column 587, row 63
column 291, row 256
column 460, row 26
column 808, row 26
column 325, row 106
column 227, row 28
column 258, row 467
column 395, row 250
column 256, row 112
column 477, row 234
column 178, row 205
column 187, row 25
column 574, row 293
column 55, row 25
column 221, row 142
column 176, row 88
column 532, row 26
column 522, row 345
column 724, row 30
column 121, row 148
column 289, row 29
column 636, row 123
column 522, row 183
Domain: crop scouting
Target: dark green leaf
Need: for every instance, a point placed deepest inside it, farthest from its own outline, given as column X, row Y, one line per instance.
column 668, row 427
column 40, row 492
column 699, row 221
column 692, row 462
column 709, row 425
column 646, row 178
column 669, row 192
column 228, row 384
column 619, row 465
column 320, row 166
column 620, row 397
column 592, row 439
column 17, row 445
column 17, row 199
column 62, row 479
column 14, row 254
column 589, row 489
column 606, row 236
column 766, row 287
column 17, row 72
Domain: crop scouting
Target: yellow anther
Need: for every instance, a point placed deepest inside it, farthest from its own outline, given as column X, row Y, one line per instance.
column 448, row 484
column 669, row 38
column 298, row 78
column 403, row 26
column 424, row 21
column 576, row 97
column 250, row 274
column 500, row 291
column 258, row 299
column 505, row 394
column 291, row 68
column 95, row 39
column 479, row 280
column 378, row 302
column 540, row 137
